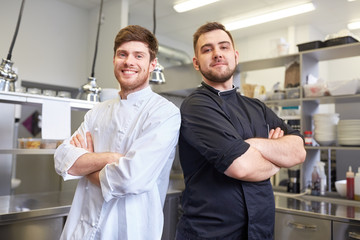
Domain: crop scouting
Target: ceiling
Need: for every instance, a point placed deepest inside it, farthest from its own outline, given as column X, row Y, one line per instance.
column 330, row 16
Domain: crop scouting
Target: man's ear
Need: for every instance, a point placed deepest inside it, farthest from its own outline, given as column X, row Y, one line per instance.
column 153, row 64
column 196, row 63
column 237, row 57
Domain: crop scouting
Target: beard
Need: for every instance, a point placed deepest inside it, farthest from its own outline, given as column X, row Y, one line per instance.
column 132, row 84
column 218, row 77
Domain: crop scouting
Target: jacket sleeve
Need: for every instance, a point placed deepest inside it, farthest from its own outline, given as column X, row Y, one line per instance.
column 66, row 154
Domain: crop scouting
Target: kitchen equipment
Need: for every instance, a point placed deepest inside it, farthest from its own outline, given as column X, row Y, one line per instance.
column 340, row 186
column 315, row 90
column 348, row 87
column 64, row 94
column 48, row 92
column 90, row 91
column 34, row 91
column 294, row 181
column 340, row 41
column 8, row 76
column 357, row 185
column 310, row 45
column 350, row 184
column 157, row 75
column 315, row 181
column 308, row 138
column 348, row 132
column 325, row 128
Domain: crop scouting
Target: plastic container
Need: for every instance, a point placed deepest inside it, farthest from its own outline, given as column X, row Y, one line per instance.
column 340, row 41
column 292, row 93
column 346, row 87
column 278, row 95
column 29, row 143
column 37, row 143
column 34, row 91
column 357, row 185
column 49, row 144
column 350, row 184
column 315, row 180
column 315, row 90
column 310, row 45
column 48, row 92
column 308, row 137
column 64, row 94
column 322, row 175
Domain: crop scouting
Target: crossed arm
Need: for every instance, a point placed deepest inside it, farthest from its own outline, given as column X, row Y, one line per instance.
column 90, row 164
column 265, row 157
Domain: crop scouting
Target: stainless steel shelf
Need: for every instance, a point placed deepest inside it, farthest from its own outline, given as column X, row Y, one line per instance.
column 332, row 147
column 334, row 99
column 28, row 151
column 318, row 100
column 31, row 99
column 284, row 102
column 261, row 64
column 335, row 52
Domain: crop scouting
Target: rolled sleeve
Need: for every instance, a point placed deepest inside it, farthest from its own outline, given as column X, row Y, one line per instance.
column 64, row 157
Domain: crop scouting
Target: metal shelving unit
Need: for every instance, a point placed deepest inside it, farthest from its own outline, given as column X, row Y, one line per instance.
column 34, row 99
column 309, row 63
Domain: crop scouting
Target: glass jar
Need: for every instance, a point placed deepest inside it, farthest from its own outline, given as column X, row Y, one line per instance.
column 308, row 138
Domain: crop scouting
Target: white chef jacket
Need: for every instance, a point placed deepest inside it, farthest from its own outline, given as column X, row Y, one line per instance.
column 129, row 204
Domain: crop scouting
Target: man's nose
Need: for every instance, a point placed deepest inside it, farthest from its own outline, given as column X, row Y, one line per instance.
column 217, row 54
column 128, row 60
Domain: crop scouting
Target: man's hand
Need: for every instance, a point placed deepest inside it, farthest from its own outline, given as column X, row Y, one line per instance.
column 94, row 178
column 78, row 141
column 276, row 133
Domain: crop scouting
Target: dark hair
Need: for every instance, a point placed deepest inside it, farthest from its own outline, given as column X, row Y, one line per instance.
column 208, row 27
column 137, row 33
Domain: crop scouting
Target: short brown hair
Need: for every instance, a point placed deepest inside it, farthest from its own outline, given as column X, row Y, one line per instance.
column 208, row 27
column 140, row 34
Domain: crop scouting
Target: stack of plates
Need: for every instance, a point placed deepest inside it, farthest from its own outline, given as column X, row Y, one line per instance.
column 348, row 132
column 325, row 128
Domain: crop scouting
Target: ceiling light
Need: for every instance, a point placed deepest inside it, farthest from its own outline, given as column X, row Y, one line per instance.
column 354, row 25
column 191, row 4
column 271, row 16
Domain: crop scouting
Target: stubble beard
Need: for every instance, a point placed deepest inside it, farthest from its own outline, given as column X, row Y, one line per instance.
column 133, row 85
column 218, row 77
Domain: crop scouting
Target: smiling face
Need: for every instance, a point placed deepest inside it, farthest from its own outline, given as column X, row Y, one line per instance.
column 132, row 67
column 216, row 59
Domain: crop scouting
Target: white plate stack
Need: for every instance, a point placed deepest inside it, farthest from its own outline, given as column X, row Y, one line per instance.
column 348, row 132
column 325, row 128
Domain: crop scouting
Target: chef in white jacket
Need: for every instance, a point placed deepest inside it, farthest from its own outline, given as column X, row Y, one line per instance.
column 122, row 152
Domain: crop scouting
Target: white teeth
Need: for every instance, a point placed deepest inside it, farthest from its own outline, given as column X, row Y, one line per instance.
column 128, row 72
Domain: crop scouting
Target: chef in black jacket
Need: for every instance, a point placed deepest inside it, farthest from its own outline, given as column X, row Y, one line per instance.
column 230, row 145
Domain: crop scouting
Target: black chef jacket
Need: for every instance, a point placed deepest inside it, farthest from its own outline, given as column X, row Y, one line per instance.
column 214, row 127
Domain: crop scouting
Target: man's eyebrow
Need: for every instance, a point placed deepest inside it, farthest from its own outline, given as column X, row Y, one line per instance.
column 210, row 44
column 140, row 52
column 224, row 42
column 206, row 45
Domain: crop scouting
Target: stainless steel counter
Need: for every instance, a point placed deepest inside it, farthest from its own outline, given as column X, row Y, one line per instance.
column 332, row 208
column 20, row 213
column 27, row 206
column 43, row 215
